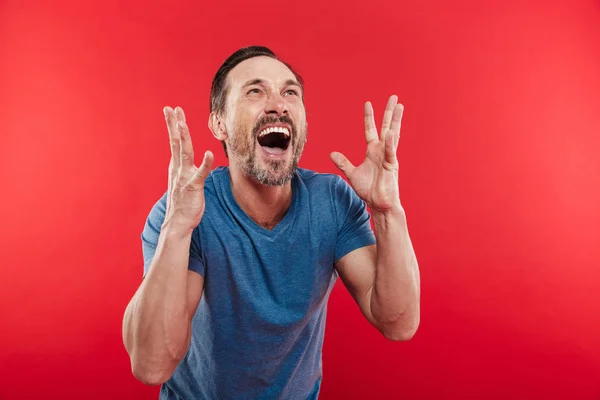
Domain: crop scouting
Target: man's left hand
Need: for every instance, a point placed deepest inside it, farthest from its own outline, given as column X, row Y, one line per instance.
column 376, row 179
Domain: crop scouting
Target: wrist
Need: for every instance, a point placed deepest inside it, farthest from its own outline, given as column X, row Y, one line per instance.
column 383, row 218
column 396, row 211
column 176, row 229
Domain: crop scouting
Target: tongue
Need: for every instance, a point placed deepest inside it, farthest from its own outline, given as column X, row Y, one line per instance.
column 273, row 150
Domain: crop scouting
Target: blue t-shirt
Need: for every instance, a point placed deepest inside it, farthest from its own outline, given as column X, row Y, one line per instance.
column 258, row 330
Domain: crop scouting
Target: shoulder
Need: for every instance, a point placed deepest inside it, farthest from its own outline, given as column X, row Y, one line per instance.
column 319, row 180
column 158, row 210
column 214, row 179
column 329, row 184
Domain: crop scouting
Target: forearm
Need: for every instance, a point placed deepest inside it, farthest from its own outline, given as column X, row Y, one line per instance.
column 157, row 321
column 396, row 291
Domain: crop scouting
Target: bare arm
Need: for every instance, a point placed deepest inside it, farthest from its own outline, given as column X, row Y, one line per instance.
column 383, row 279
column 157, row 321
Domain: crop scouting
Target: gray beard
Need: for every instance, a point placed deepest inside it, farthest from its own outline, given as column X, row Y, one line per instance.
column 278, row 176
column 276, row 173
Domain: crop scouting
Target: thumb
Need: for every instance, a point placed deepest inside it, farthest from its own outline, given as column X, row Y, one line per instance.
column 342, row 163
column 204, row 170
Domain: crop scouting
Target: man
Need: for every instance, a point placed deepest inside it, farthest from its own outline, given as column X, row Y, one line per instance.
column 240, row 260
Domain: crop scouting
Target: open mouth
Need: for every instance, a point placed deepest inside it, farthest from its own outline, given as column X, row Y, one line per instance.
column 274, row 140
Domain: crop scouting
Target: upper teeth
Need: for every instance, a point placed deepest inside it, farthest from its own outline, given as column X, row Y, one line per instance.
column 279, row 129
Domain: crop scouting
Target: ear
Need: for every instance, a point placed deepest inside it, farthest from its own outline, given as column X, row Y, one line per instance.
column 217, row 127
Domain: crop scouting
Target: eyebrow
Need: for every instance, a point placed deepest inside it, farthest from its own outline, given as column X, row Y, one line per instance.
column 259, row 81
column 293, row 82
column 254, row 82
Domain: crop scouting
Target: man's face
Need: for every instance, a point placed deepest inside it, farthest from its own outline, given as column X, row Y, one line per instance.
column 265, row 120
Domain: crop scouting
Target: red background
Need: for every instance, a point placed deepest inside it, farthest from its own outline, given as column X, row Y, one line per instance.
column 500, row 177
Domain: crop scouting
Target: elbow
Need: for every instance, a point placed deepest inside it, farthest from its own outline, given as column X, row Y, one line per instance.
column 153, row 369
column 148, row 376
column 400, row 335
column 402, row 330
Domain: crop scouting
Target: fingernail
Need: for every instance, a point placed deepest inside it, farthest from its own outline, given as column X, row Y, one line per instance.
column 165, row 112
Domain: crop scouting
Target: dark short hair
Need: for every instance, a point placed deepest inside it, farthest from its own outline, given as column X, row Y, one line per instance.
column 219, row 88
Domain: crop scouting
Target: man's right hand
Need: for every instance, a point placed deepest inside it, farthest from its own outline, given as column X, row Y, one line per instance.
column 185, row 198
column 157, row 321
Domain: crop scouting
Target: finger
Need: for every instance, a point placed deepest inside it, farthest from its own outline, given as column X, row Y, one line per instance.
column 172, row 173
column 396, row 122
column 186, row 148
column 204, row 170
column 169, row 185
column 390, row 150
column 387, row 115
column 342, row 163
column 180, row 114
column 370, row 128
column 174, row 136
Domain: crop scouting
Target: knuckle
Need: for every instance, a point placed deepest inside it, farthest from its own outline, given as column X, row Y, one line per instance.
column 201, row 173
column 192, row 187
column 390, row 166
column 178, row 181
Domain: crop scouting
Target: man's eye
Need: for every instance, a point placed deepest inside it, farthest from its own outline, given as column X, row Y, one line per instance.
column 292, row 92
column 254, row 91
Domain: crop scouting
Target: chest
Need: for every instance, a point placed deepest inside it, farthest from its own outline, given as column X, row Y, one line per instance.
column 278, row 276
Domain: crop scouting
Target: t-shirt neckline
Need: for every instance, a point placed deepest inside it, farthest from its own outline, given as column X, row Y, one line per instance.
column 280, row 226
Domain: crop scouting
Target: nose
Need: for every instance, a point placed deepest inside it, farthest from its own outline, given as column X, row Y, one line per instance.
column 276, row 105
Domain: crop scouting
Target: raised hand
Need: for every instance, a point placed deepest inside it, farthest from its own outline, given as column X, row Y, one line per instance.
column 185, row 198
column 376, row 179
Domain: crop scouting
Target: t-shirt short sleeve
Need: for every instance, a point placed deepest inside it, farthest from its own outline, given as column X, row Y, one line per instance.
column 151, row 233
column 354, row 221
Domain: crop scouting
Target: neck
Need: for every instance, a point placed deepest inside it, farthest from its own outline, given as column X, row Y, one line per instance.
column 266, row 205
